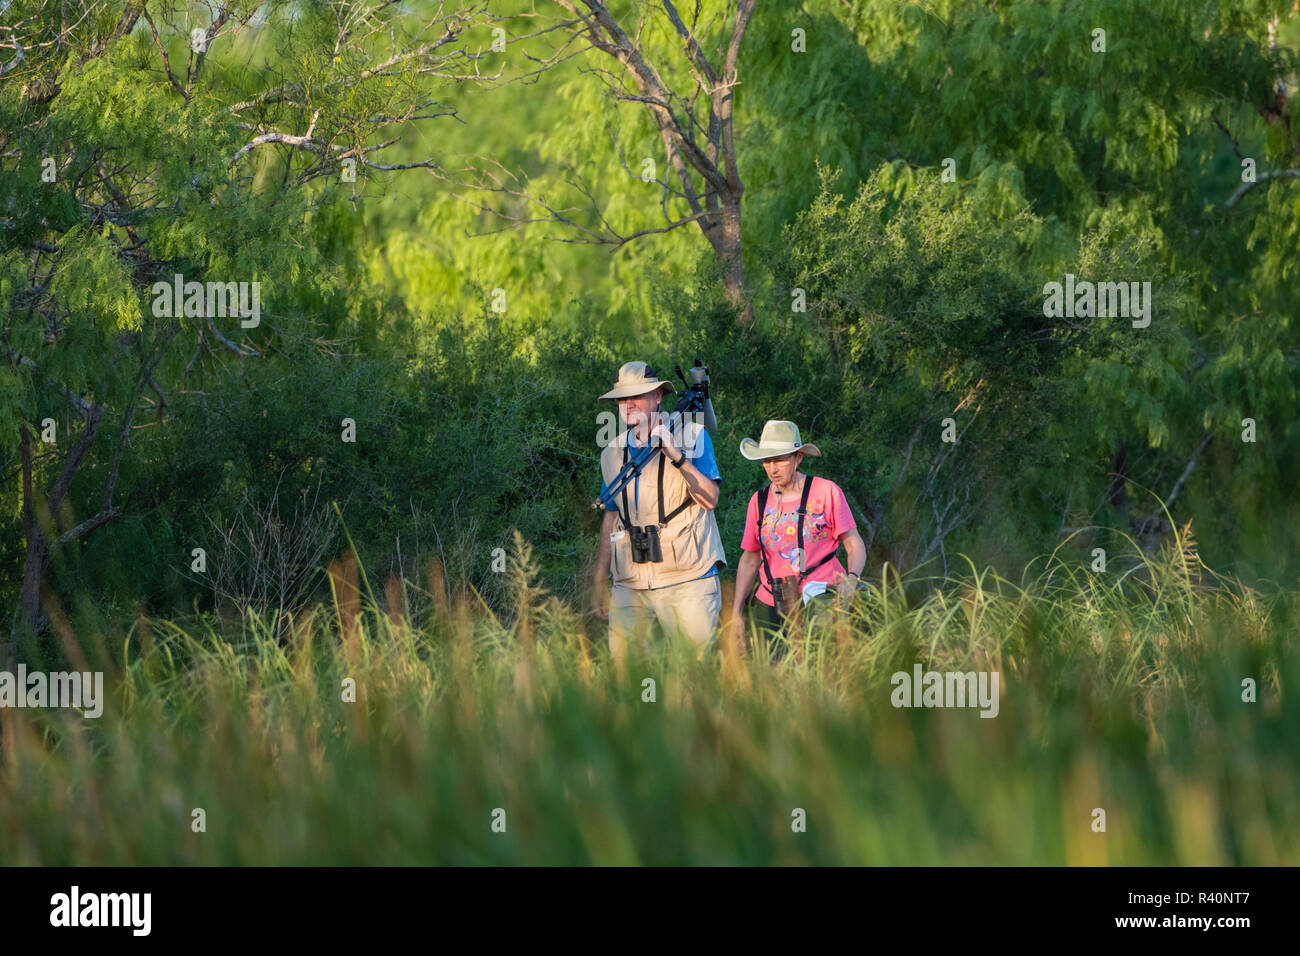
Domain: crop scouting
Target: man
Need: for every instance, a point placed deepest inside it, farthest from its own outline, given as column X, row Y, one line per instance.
column 674, row 495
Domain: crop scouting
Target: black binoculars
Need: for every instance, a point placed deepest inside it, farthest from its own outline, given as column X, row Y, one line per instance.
column 778, row 597
column 786, row 595
column 645, row 545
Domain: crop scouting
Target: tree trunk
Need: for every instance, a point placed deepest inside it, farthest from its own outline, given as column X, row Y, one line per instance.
column 723, row 233
column 714, row 159
column 38, row 548
column 1115, row 491
column 29, row 601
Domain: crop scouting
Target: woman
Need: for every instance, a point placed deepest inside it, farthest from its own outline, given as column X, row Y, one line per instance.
column 793, row 528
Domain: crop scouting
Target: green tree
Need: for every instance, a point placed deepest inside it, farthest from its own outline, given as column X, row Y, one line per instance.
column 138, row 147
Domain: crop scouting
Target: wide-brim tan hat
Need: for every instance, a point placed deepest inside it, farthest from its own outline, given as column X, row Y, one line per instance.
column 637, row 378
column 778, row 438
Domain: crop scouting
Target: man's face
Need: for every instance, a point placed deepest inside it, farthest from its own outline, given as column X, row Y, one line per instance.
column 781, row 470
column 638, row 410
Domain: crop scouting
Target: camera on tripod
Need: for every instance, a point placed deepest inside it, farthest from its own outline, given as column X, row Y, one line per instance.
column 645, row 545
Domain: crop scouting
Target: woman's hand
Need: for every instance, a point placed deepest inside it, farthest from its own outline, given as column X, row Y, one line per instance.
column 856, row 551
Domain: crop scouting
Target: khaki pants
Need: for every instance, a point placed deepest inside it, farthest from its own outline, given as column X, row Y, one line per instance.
column 690, row 609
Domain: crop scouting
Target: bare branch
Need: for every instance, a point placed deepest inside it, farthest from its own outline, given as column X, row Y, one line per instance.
column 1247, row 187
column 87, row 526
column 73, row 398
column 237, row 349
column 607, row 235
column 705, row 77
column 162, row 52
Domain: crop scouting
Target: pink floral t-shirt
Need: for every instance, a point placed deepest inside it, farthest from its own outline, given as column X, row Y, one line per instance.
column 828, row 517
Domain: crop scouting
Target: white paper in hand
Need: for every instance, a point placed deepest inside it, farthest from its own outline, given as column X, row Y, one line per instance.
column 812, row 589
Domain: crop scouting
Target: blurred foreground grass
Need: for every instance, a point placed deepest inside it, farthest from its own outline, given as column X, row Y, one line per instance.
column 1120, row 691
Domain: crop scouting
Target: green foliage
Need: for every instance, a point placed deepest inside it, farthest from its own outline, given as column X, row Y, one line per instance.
column 925, row 297
column 475, row 431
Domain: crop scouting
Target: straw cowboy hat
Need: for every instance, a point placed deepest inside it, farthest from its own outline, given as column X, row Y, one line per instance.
column 778, row 438
column 636, row 378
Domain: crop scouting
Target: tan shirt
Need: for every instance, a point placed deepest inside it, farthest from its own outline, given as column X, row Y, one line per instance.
column 690, row 543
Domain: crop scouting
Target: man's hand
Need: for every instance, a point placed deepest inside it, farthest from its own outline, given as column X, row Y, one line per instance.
column 600, row 574
column 735, row 630
column 703, row 490
column 600, row 603
column 847, row 587
column 665, row 436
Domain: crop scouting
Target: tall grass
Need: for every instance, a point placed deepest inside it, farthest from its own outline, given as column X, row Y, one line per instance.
column 1120, row 691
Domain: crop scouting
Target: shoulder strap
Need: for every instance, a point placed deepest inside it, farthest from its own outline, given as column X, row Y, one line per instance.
column 664, row 519
column 803, row 510
column 828, row 557
column 762, row 551
column 627, row 518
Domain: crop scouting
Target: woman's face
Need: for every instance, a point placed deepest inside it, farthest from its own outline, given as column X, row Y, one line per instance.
column 780, row 471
